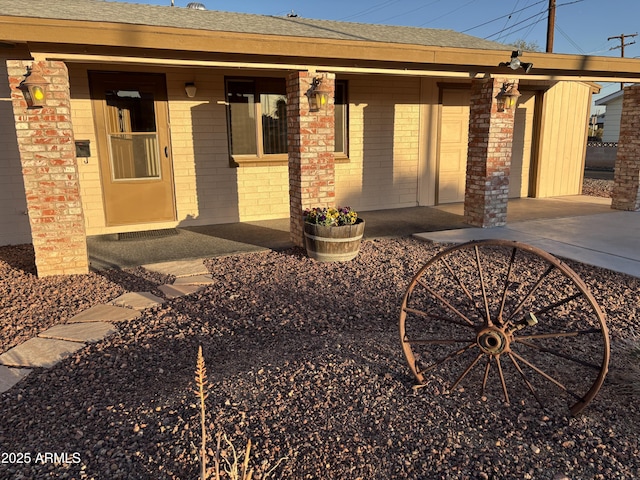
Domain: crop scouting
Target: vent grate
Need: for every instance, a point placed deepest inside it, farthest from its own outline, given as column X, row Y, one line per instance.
column 167, row 232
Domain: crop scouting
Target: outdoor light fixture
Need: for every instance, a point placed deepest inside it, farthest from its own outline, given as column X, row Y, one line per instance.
column 507, row 97
column 190, row 89
column 515, row 63
column 318, row 95
column 34, row 89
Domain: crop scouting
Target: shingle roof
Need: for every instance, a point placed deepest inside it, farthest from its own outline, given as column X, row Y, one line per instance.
column 166, row 16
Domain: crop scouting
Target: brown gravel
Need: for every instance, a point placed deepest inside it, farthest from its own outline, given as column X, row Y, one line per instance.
column 304, row 359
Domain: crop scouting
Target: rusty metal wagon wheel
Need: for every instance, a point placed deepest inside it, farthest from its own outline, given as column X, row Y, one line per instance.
column 509, row 318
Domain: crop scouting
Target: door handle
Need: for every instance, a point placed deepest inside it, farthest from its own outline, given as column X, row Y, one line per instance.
column 166, row 152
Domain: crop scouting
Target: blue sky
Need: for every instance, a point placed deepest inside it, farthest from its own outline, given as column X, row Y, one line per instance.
column 582, row 26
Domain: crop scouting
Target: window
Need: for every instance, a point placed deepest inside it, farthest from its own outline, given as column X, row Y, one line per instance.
column 257, row 110
column 257, row 118
column 342, row 119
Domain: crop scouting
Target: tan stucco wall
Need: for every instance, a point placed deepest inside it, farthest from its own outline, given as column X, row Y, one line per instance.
column 14, row 221
column 564, row 134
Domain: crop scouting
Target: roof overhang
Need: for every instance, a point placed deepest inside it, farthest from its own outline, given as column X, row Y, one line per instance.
column 87, row 41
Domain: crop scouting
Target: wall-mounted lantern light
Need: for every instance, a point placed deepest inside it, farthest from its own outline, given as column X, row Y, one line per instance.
column 34, row 89
column 507, row 97
column 190, row 89
column 318, row 95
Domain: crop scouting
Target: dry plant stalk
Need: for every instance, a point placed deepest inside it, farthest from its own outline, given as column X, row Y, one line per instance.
column 201, row 392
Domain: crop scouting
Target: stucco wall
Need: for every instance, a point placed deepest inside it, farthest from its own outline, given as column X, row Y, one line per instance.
column 14, row 222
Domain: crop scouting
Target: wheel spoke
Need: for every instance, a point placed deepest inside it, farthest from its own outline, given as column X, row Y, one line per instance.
column 420, row 313
column 526, row 380
column 560, row 354
column 502, row 381
column 446, row 303
column 532, row 291
column 575, row 333
column 557, row 304
column 466, row 371
column 439, row 341
column 547, row 376
column 466, row 291
column 486, row 373
column 484, row 289
column 506, row 284
column 447, row 358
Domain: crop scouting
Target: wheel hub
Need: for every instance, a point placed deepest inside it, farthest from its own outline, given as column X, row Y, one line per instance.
column 492, row 341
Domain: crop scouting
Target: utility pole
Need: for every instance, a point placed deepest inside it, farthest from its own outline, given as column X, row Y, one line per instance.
column 622, row 36
column 551, row 25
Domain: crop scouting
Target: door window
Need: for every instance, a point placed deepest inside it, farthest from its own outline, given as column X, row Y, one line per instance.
column 132, row 135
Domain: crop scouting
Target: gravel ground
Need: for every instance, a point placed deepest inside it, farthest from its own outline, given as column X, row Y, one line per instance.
column 305, row 360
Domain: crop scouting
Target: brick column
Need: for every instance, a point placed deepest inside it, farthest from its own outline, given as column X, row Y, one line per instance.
column 626, row 180
column 311, row 151
column 47, row 153
column 488, row 156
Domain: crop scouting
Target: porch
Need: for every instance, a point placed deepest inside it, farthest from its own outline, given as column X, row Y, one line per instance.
column 112, row 251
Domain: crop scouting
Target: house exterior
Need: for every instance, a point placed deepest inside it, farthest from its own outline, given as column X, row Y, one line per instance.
column 157, row 117
column 613, row 114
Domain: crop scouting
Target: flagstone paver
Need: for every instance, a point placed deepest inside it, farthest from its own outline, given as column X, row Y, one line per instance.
column 194, row 280
column 137, row 300
column 105, row 313
column 180, row 268
column 175, row 291
column 80, row 332
column 94, row 324
column 10, row 376
column 39, row 352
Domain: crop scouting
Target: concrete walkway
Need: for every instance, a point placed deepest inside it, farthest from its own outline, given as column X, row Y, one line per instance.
column 60, row 341
column 608, row 240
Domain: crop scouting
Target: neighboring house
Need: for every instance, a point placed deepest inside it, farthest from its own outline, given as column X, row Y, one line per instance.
column 198, row 117
column 613, row 113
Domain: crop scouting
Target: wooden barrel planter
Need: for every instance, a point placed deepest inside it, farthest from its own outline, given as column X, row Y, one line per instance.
column 333, row 244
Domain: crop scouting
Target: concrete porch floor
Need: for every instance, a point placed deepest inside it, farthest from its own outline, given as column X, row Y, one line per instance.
column 106, row 251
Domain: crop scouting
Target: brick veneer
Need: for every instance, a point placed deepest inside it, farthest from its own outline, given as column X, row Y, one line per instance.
column 488, row 156
column 311, row 151
column 626, row 185
column 47, row 153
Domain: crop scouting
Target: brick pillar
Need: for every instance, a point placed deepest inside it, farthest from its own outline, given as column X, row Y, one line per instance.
column 47, row 153
column 311, row 151
column 626, row 181
column 488, row 156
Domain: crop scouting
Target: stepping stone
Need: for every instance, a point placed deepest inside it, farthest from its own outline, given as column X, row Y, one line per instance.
column 179, row 268
column 105, row 313
column 80, row 332
column 175, row 291
column 39, row 352
column 195, row 280
column 10, row 376
column 137, row 300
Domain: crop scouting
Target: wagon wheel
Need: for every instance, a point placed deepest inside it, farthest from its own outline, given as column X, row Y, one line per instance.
column 509, row 318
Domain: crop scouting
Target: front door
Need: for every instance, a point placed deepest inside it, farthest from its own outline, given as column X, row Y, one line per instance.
column 131, row 117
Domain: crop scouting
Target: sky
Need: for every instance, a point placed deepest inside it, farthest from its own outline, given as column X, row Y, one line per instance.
column 581, row 26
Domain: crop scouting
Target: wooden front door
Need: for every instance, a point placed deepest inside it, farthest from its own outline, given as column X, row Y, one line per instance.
column 131, row 118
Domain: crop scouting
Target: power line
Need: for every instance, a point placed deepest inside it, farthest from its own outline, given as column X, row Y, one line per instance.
column 503, row 16
column 448, row 13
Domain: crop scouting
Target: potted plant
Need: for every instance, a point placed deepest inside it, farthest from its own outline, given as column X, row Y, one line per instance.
column 332, row 234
